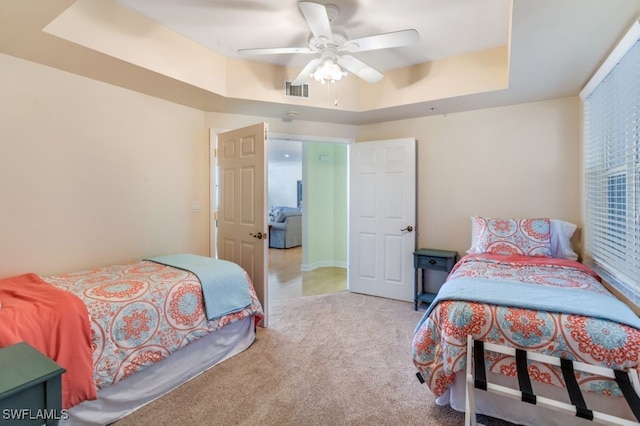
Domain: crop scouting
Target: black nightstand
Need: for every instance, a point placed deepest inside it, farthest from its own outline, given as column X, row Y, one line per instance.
column 438, row 260
column 30, row 387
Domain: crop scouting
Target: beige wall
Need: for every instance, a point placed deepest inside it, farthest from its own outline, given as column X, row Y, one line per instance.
column 516, row 161
column 92, row 174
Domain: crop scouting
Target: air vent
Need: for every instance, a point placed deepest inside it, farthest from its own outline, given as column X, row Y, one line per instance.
column 301, row 91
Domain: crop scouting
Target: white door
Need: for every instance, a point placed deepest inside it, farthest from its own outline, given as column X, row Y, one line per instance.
column 242, row 216
column 382, row 218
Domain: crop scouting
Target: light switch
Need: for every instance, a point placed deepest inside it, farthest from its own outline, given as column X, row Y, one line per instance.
column 195, row 207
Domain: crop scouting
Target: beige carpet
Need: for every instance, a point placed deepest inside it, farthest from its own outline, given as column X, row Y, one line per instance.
column 338, row 359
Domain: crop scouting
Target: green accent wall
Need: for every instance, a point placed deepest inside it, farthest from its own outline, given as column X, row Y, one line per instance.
column 325, row 203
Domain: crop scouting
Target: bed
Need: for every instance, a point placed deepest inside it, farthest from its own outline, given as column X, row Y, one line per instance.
column 515, row 288
column 129, row 333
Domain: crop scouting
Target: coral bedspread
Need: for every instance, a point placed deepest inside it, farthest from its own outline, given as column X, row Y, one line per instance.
column 105, row 324
column 439, row 350
column 142, row 312
column 31, row 312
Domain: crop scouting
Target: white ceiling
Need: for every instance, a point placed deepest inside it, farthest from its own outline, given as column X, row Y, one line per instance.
column 555, row 46
column 284, row 151
column 446, row 27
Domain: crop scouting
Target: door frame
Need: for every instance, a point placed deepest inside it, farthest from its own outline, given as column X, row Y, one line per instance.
column 213, row 182
column 308, row 138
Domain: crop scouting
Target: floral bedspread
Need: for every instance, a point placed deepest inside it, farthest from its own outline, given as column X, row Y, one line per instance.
column 439, row 344
column 140, row 313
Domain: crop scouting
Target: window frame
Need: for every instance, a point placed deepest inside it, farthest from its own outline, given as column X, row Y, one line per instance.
column 613, row 183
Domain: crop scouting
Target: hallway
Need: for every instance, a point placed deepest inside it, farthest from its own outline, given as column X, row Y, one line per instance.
column 287, row 281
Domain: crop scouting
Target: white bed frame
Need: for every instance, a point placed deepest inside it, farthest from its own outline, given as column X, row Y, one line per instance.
column 522, row 413
column 551, row 404
column 124, row 397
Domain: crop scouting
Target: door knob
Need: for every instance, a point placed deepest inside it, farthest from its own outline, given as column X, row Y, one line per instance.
column 408, row 228
column 258, row 235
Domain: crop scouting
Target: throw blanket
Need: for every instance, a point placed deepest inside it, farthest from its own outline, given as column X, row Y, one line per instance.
column 224, row 287
column 56, row 323
column 534, row 296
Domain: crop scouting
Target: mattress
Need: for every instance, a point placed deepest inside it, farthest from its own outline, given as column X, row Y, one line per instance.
column 574, row 317
column 137, row 330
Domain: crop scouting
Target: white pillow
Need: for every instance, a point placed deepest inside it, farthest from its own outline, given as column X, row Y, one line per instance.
column 561, row 233
column 474, row 236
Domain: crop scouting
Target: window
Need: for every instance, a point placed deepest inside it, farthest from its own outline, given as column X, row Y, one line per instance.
column 612, row 167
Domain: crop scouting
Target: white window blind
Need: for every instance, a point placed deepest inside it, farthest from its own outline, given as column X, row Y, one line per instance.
column 612, row 166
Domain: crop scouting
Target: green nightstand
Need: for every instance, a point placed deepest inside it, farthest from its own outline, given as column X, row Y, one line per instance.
column 30, row 387
column 438, row 260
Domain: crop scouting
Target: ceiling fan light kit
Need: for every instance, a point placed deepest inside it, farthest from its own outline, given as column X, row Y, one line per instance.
column 328, row 70
column 332, row 64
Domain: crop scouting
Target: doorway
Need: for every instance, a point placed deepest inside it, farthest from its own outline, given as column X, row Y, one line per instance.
column 311, row 176
column 317, row 226
column 312, row 269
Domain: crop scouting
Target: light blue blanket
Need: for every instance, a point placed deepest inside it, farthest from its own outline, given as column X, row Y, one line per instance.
column 537, row 297
column 224, row 283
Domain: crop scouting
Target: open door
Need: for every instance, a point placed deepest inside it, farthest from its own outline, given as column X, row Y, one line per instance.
column 242, row 216
column 382, row 218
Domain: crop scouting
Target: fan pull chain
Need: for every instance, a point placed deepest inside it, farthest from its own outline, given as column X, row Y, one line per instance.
column 335, row 99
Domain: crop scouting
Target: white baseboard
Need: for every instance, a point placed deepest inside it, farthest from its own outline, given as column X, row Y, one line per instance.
column 323, row 264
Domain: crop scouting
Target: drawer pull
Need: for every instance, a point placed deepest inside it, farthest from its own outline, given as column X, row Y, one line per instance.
column 432, row 262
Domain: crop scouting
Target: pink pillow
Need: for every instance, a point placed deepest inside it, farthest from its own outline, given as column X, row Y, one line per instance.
column 528, row 237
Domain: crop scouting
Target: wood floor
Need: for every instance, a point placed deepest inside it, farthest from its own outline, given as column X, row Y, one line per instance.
column 286, row 281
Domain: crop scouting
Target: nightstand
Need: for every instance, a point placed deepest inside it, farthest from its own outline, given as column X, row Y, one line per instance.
column 30, row 387
column 430, row 259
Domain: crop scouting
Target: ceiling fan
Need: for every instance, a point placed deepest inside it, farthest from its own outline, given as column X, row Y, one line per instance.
column 334, row 47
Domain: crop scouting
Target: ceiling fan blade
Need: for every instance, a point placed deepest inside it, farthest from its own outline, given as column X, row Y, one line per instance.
column 317, row 18
column 382, row 41
column 304, row 75
column 275, row 50
column 359, row 68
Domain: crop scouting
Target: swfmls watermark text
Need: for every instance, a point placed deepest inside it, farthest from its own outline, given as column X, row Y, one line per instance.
column 39, row 414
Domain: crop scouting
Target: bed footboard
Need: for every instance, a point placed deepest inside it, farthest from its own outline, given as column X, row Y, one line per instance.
column 476, row 378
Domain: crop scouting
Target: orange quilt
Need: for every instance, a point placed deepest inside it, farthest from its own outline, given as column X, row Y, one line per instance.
column 56, row 323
